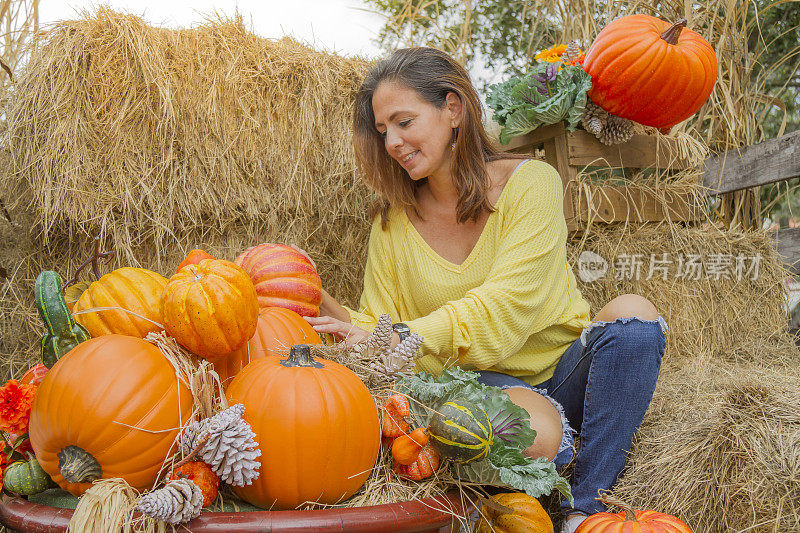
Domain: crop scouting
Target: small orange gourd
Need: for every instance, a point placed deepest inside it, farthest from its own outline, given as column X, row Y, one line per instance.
column 193, row 258
column 406, row 448
column 630, row 519
column 395, row 410
column 423, row 467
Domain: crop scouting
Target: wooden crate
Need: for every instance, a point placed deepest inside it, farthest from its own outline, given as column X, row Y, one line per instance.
column 570, row 152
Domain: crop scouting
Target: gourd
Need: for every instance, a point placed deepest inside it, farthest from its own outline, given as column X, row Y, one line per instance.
column 135, row 289
column 112, row 407
column 283, row 278
column 650, row 71
column 395, row 410
column 202, row 476
column 461, row 431
column 210, row 308
column 63, row 333
column 527, row 515
column 630, row 519
column 316, row 425
column 278, row 329
column 406, row 448
column 424, row 466
column 25, row 477
column 193, row 258
column 34, row 375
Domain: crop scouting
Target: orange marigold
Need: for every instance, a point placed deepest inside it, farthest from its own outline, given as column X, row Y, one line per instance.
column 15, row 406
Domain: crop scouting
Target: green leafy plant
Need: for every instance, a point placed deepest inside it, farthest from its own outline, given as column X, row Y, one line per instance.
column 547, row 94
column 505, row 465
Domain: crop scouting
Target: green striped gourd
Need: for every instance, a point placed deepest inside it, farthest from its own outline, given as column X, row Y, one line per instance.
column 63, row 333
column 25, row 477
column 461, row 431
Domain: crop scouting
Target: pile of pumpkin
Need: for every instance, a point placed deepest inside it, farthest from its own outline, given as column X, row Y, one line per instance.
column 108, row 404
column 111, row 405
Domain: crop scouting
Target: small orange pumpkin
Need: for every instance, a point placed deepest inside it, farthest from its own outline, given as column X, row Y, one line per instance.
column 278, row 330
column 316, row 426
column 111, row 407
column 135, row 289
column 630, row 519
column 424, row 466
column 650, row 71
column 210, row 308
column 406, row 448
column 283, row 278
column 527, row 515
column 194, row 257
column 395, row 410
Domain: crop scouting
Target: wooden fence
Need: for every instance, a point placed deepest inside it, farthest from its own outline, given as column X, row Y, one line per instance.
column 761, row 164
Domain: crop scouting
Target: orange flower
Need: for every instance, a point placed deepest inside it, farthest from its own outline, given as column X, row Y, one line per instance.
column 15, row 406
column 578, row 61
column 552, row 54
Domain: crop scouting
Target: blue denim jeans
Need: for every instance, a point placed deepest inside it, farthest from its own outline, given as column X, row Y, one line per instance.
column 604, row 382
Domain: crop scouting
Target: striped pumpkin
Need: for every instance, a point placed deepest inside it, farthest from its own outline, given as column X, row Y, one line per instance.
column 461, row 431
column 283, row 277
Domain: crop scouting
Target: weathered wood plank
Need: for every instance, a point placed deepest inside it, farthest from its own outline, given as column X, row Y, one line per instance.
column 617, row 204
column 760, row 164
column 641, row 151
column 535, row 138
column 787, row 243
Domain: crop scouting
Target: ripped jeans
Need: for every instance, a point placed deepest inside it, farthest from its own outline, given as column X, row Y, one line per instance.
column 604, row 382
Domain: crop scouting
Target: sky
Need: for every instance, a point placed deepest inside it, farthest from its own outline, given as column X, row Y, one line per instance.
column 343, row 26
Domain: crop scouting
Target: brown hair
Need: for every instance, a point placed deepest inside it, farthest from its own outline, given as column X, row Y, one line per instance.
column 432, row 74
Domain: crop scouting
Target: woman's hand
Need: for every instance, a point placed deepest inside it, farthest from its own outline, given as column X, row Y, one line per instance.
column 341, row 330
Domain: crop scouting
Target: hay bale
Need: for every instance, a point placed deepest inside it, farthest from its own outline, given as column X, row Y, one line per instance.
column 720, row 448
column 160, row 140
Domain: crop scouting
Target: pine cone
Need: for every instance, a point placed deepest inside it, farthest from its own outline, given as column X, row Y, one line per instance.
column 572, row 52
column 381, row 337
column 401, row 359
column 231, row 451
column 610, row 129
column 177, row 502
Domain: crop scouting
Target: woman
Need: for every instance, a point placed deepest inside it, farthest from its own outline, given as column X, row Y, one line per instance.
column 468, row 249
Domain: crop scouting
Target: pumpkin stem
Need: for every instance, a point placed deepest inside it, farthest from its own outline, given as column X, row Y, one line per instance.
column 608, row 499
column 300, row 355
column 671, row 35
column 77, row 465
column 97, row 254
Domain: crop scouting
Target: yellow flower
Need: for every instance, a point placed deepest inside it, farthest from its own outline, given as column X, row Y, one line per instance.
column 552, row 54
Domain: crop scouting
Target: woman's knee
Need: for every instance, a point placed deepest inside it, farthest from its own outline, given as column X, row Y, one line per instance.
column 628, row 305
column 544, row 419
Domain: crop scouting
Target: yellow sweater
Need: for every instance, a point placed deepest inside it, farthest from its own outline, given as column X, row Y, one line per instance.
column 512, row 306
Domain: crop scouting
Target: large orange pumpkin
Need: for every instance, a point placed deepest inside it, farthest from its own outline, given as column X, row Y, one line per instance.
column 112, row 408
column 135, row 289
column 316, row 425
column 283, row 278
column 278, row 330
column 650, row 71
column 210, row 308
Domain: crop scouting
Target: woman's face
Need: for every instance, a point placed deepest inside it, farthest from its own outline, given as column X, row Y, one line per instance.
column 416, row 133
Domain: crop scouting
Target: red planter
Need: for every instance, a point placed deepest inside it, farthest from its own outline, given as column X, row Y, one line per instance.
column 431, row 514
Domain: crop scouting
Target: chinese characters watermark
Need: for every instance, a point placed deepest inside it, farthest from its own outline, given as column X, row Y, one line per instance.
column 716, row 266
